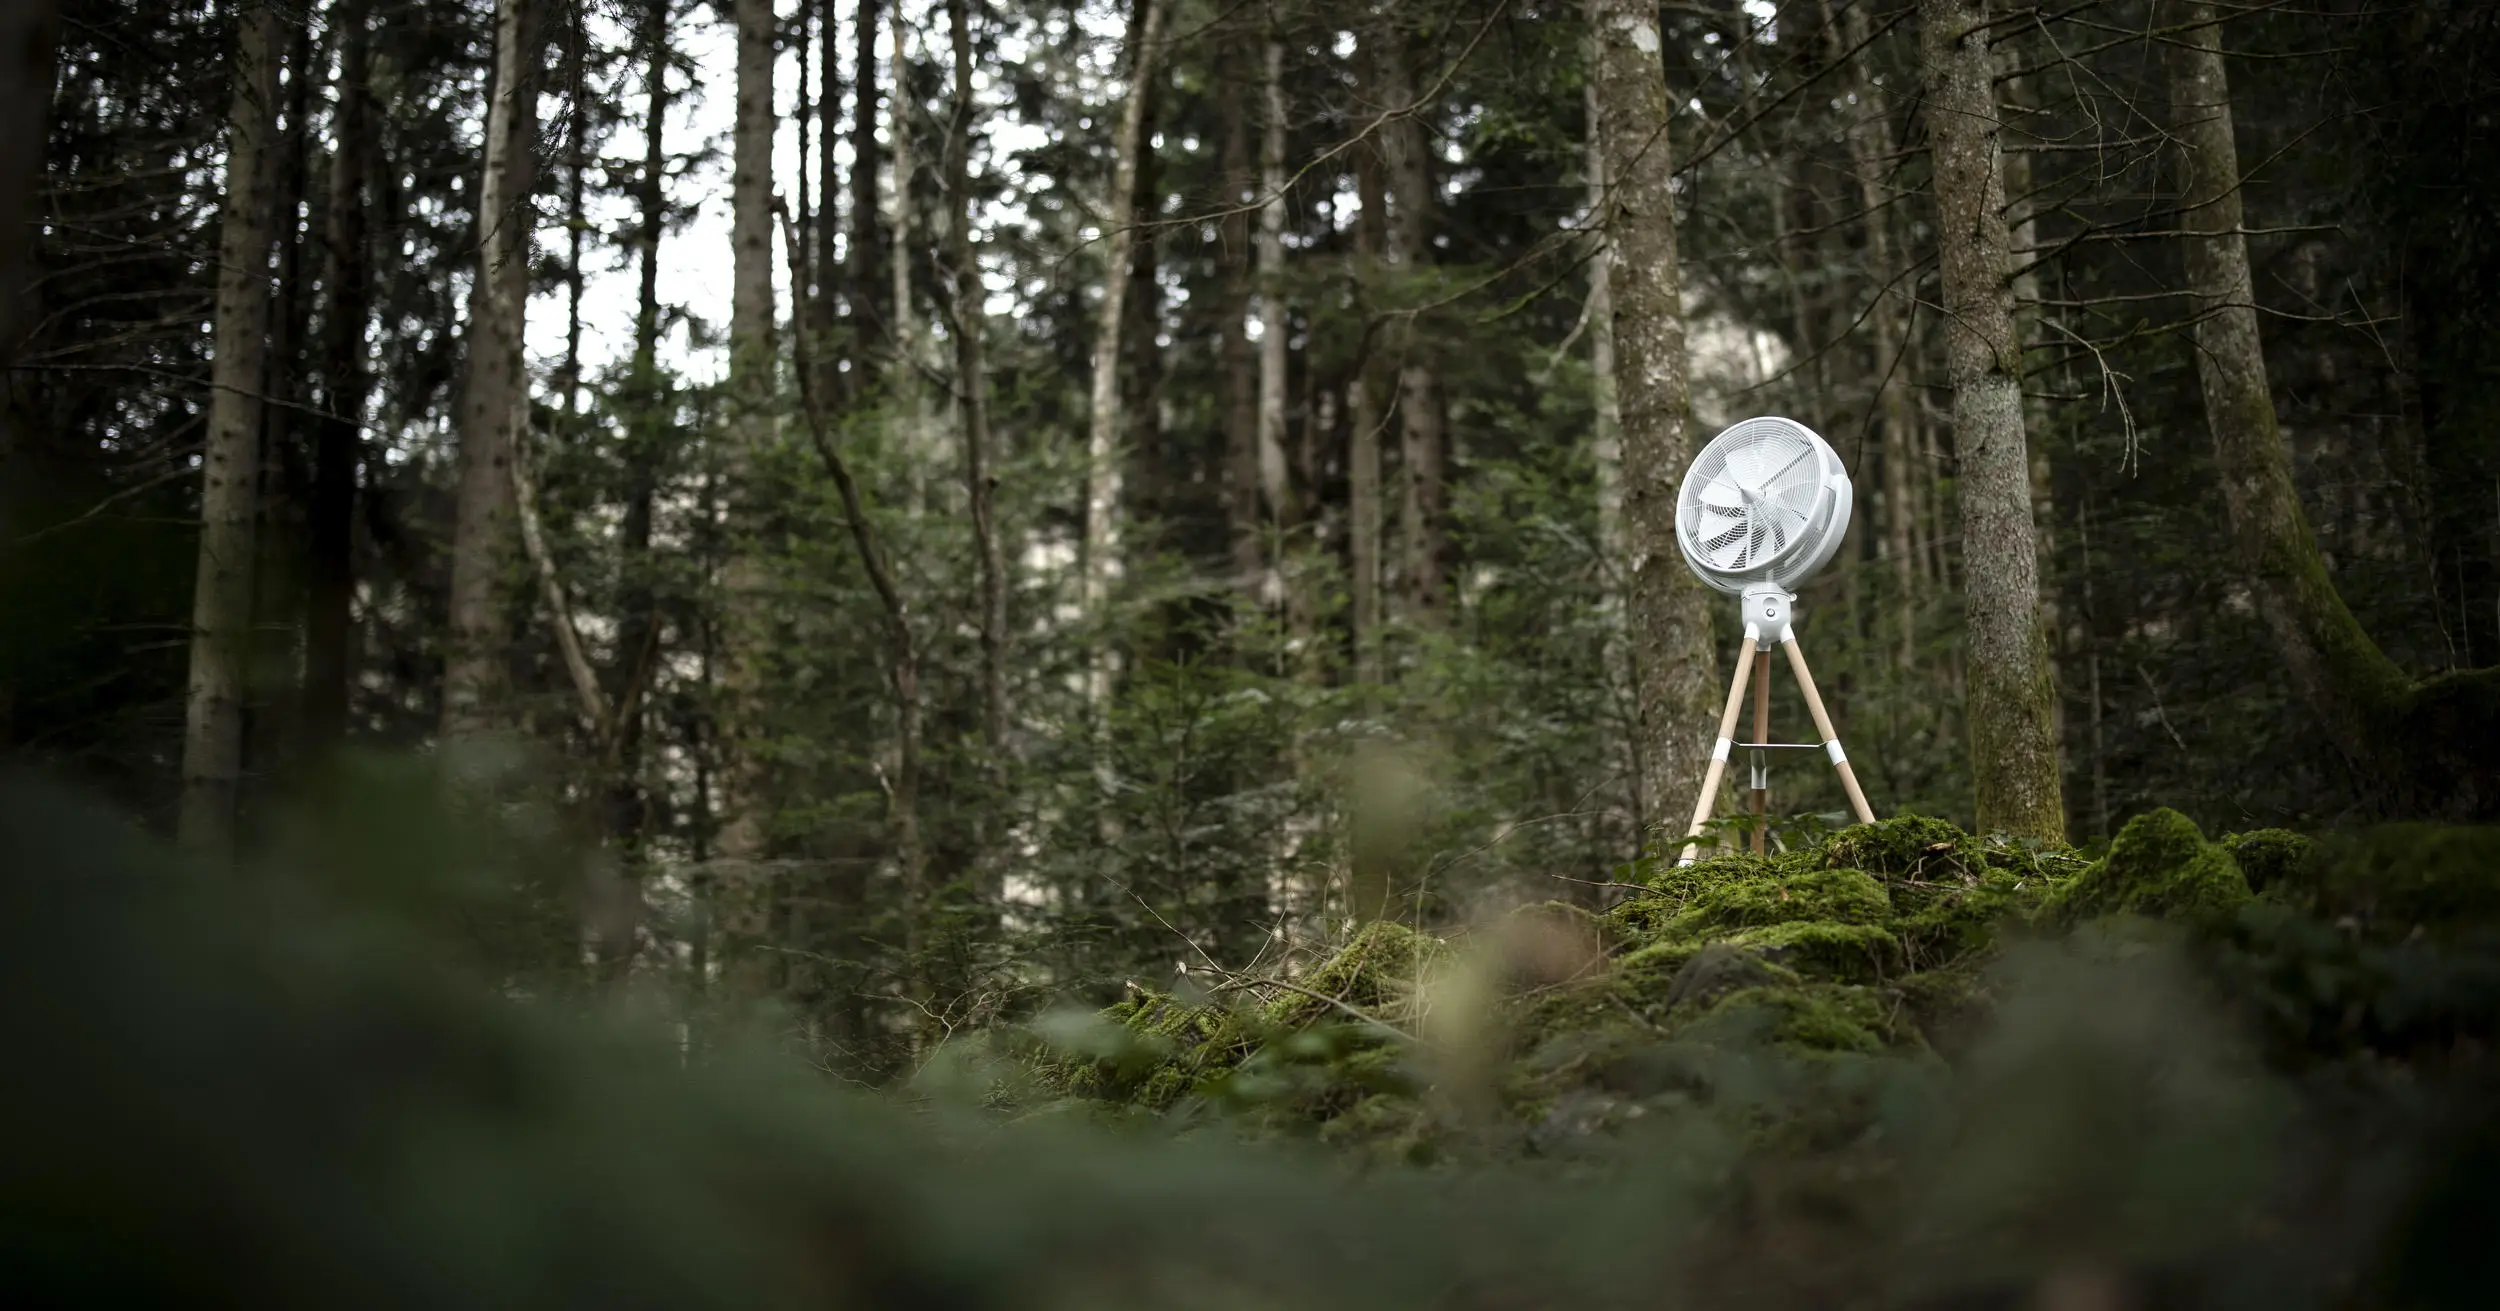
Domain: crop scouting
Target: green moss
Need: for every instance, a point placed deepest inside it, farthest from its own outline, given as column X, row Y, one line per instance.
column 2160, row 866
column 1721, row 968
column 1386, row 1127
column 1823, row 949
column 1912, row 846
column 1375, row 971
column 1945, row 1006
column 1953, row 923
column 2394, row 879
column 1841, row 896
column 1812, row 1017
column 1707, row 966
column 2268, row 856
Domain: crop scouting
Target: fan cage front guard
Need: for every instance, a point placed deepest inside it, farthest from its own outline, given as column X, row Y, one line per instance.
column 1778, row 498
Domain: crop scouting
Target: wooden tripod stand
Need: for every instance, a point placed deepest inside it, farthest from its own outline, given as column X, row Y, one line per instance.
column 1753, row 663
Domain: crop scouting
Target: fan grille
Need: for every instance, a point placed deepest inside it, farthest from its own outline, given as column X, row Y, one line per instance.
column 1757, row 485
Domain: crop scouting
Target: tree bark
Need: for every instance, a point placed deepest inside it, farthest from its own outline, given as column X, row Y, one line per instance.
column 826, row 273
column 867, row 270
column 273, row 717
column 1674, row 669
column 221, row 604
column 748, row 890
column 751, row 305
column 1275, row 473
column 1869, row 144
column 1239, row 356
column 1146, row 484
column 972, row 386
column 2362, row 699
column 1614, row 552
column 909, row 364
column 2012, row 705
column 494, row 394
column 339, row 449
column 29, row 58
column 576, row 189
column 1364, row 392
column 1104, row 422
column 1423, row 431
column 646, row 426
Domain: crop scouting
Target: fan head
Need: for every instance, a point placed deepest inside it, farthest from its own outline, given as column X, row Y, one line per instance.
column 1765, row 504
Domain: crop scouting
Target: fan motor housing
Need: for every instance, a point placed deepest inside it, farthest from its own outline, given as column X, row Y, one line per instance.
column 1763, row 507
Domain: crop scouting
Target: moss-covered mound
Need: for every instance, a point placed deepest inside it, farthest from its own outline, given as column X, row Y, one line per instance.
column 1865, row 945
column 1779, row 993
column 2159, row 866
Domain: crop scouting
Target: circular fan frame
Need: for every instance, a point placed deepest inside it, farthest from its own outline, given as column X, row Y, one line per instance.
column 1765, row 504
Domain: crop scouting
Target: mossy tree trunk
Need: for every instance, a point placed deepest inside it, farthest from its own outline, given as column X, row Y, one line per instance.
column 1674, row 669
column 2408, row 745
column 2012, row 705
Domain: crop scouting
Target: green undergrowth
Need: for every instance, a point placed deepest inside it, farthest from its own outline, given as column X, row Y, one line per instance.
column 1784, row 997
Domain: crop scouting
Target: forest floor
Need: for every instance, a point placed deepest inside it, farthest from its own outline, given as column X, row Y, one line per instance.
column 1903, row 1066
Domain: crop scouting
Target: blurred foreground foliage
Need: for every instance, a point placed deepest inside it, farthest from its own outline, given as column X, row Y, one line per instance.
column 1901, row 1066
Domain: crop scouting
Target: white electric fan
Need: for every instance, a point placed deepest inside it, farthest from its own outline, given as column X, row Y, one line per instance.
column 1764, row 506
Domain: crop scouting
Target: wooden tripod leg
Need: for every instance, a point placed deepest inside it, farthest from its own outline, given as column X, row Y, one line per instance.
column 1823, row 725
column 1719, row 752
column 1761, row 733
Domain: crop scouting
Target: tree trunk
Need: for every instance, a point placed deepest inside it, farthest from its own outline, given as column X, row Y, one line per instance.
column 747, row 888
column 1869, row 144
column 972, row 387
column 1275, row 474
column 1614, row 554
column 221, row 604
column 909, row 364
column 1238, row 354
column 1146, row 484
column 751, row 304
column 826, row 273
column 274, row 715
column 29, row 58
column 1423, row 434
column 1669, row 609
column 2012, row 705
column 1364, row 392
column 339, row 449
column 493, row 395
column 867, row 272
column 646, row 429
column 576, row 182
column 2362, row 699
column 1104, row 422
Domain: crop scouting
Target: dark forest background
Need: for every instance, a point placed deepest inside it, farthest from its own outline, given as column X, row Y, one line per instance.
column 1350, row 536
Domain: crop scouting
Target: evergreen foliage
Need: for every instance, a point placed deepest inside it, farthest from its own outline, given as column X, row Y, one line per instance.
column 1299, row 757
